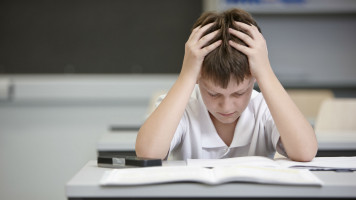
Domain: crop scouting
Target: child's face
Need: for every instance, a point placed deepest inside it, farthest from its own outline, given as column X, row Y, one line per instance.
column 226, row 105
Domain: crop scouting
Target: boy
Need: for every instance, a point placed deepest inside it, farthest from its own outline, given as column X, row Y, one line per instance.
column 223, row 116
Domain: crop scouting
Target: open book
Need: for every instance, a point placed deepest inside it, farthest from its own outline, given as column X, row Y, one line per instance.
column 256, row 173
column 318, row 163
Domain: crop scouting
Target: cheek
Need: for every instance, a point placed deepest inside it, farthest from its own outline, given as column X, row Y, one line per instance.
column 209, row 102
column 244, row 101
column 238, row 105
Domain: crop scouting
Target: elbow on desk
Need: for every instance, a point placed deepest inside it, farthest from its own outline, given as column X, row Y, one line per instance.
column 147, row 153
column 146, row 147
column 304, row 151
column 143, row 154
column 304, row 156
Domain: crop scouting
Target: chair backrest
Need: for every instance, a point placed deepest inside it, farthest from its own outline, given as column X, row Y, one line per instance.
column 337, row 114
column 309, row 100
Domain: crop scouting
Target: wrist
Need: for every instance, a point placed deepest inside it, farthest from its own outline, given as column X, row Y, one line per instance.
column 188, row 76
column 190, row 72
column 262, row 73
column 265, row 76
column 267, row 80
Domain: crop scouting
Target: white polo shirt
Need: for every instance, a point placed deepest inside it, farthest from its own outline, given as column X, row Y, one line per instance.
column 196, row 137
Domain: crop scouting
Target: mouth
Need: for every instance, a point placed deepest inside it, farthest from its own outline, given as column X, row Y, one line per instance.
column 226, row 114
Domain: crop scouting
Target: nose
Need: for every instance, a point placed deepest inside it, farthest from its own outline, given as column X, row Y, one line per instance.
column 226, row 105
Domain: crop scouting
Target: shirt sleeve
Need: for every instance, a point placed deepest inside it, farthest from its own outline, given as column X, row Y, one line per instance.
column 180, row 131
column 179, row 134
column 275, row 136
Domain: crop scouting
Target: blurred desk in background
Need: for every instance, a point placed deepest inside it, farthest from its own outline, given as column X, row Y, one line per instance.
column 122, row 142
column 117, row 142
column 336, row 144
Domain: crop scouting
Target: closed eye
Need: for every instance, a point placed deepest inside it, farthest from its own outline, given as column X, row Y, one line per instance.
column 213, row 95
column 238, row 94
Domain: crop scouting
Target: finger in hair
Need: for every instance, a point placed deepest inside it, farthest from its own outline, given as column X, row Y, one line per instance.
column 211, row 47
column 243, row 49
column 249, row 28
column 207, row 38
column 196, row 35
column 242, row 36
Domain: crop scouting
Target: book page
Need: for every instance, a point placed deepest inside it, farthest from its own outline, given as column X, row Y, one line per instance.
column 322, row 162
column 246, row 160
column 212, row 176
column 154, row 175
column 316, row 163
column 266, row 175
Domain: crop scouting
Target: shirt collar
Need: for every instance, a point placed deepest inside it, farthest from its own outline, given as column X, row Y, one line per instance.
column 244, row 129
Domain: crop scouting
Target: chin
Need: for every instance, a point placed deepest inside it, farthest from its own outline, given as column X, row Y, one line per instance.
column 224, row 120
column 228, row 120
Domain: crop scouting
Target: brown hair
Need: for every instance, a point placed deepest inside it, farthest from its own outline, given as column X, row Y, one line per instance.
column 225, row 61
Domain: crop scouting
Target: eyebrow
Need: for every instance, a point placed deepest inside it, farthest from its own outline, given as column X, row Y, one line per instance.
column 241, row 91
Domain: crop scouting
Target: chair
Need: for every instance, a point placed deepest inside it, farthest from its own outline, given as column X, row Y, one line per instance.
column 335, row 127
column 337, row 114
column 309, row 100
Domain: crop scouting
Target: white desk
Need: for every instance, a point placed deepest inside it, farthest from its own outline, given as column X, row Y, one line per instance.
column 85, row 185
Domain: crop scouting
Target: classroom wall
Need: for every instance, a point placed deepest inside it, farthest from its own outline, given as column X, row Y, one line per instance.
column 43, row 146
column 307, row 47
column 55, row 102
column 90, row 36
column 50, row 126
column 311, row 49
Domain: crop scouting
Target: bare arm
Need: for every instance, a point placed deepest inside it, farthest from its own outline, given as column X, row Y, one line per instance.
column 155, row 135
column 297, row 135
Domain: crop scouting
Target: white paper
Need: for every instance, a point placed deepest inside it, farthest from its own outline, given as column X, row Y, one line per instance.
column 246, row 160
column 316, row 163
column 322, row 162
column 213, row 176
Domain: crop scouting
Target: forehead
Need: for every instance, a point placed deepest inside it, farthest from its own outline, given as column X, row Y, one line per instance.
column 232, row 86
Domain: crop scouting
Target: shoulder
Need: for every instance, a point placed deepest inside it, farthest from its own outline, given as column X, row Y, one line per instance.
column 257, row 103
column 256, row 98
column 194, row 97
column 195, row 103
column 194, row 107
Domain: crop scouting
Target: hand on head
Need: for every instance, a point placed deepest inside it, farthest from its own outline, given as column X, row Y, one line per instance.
column 196, row 49
column 256, row 49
